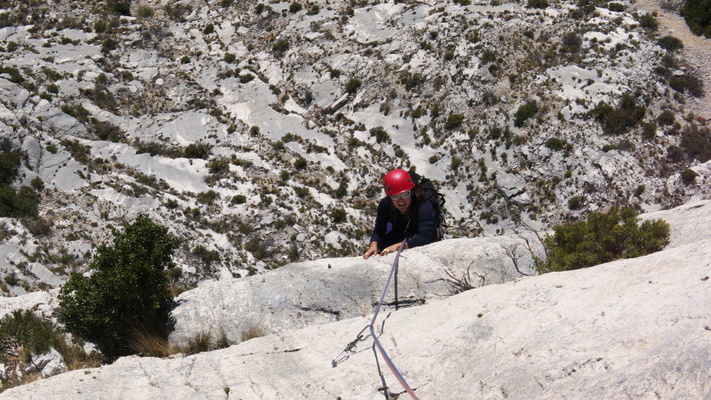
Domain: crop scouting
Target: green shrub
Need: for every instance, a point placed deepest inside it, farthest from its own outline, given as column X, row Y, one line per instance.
column 338, row 215
column 295, row 7
column 615, row 6
column 21, row 203
column 108, row 45
column 100, row 26
column 688, row 176
column 675, row 153
column 208, row 197
column 280, row 47
column 120, row 7
column 648, row 21
column 198, row 150
column 37, row 183
column 649, row 130
column 454, row 121
column 602, row 238
column 145, row 11
column 127, row 290
column 670, row 43
column 381, row 136
column 15, row 76
column 666, row 118
column 537, row 4
column 525, row 112
column 219, row 166
column 576, row 202
column 696, row 142
column 571, row 42
column 556, row 144
column 206, row 256
column 353, row 85
column 616, row 121
column 697, row 14
column 9, row 164
column 36, row 335
column 300, row 163
column 687, row 83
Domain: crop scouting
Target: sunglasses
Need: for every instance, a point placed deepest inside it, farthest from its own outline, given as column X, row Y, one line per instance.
column 404, row 195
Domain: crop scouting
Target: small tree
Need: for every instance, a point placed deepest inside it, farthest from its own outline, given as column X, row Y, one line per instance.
column 525, row 112
column 602, row 238
column 127, row 291
column 353, row 85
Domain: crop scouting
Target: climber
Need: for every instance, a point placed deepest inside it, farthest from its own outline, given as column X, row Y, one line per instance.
column 404, row 213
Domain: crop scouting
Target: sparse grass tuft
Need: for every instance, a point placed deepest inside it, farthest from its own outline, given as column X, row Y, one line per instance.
column 252, row 331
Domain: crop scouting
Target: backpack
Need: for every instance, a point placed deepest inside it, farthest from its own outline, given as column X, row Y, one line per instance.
column 437, row 200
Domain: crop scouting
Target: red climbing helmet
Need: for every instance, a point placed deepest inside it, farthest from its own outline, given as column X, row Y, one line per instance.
column 397, row 181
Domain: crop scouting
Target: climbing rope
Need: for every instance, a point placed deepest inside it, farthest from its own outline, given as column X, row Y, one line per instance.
column 348, row 350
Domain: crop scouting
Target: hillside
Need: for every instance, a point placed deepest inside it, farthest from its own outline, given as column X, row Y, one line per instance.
column 258, row 132
column 635, row 329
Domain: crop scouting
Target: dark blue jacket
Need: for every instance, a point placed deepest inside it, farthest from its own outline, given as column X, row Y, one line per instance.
column 391, row 226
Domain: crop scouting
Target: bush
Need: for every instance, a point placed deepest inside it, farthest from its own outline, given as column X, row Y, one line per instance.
column 9, row 163
column 353, row 85
column 616, row 121
column 280, row 47
column 120, row 7
column 556, row 144
column 571, row 42
column 576, row 202
column 300, row 163
column 537, row 4
column 602, row 238
column 696, row 142
column 108, row 45
column 295, row 7
column 208, row 197
column 648, row 21
column 381, row 136
column 670, row 43
column 454, row 121
column 219, row 166
column 15, row 76
column 197, row 151
column 36, row 335
column 666, row 118
column 697, row 14
column 145, row 11
column 688, row 83
column 21, row 203
column 525, row 112
column 338, row 215
column 688, row 176
column 128, row 289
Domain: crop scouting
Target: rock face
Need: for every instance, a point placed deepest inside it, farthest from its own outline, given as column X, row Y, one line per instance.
column 329, row 290
column 633, row 329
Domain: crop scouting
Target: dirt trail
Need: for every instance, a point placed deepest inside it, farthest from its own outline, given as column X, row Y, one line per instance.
column 697, row 51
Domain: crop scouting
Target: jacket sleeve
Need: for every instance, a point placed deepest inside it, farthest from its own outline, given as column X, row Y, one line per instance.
column 381, row 221
column 425, row 228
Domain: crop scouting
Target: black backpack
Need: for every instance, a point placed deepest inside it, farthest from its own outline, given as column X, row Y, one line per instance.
column 437, row 200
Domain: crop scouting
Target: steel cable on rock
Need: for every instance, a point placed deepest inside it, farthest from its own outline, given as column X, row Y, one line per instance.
column 343, row 355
